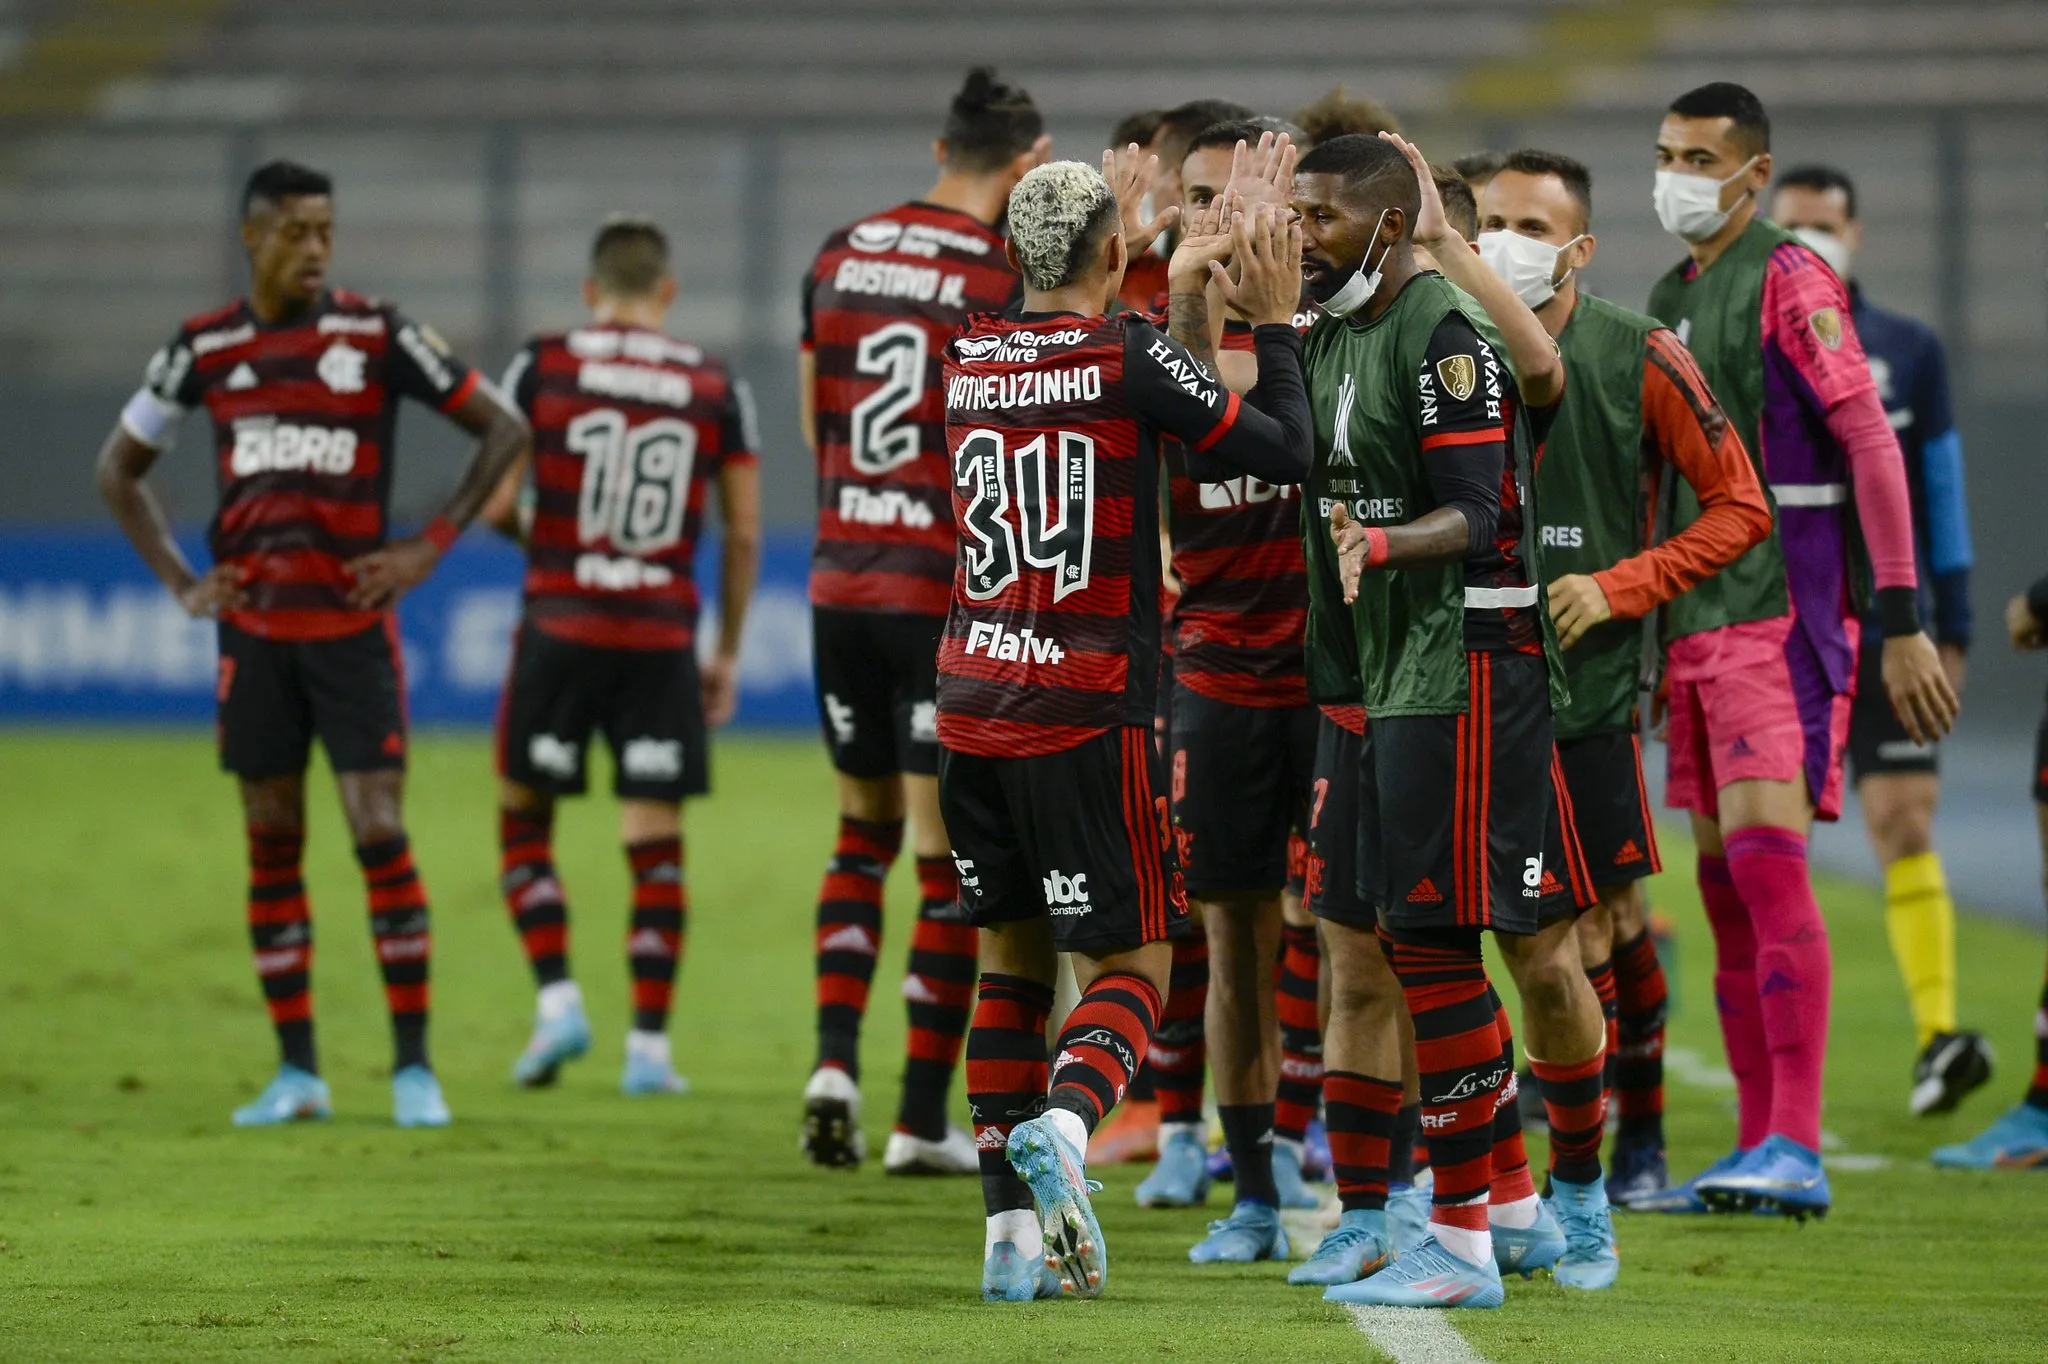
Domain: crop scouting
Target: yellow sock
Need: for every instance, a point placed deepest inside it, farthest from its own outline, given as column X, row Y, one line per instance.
column 1921, row 921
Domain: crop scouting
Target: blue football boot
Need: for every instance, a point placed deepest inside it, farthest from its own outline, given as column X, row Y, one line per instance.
column 1056, row 1170
column 1524, row 1250
column 1429, row 1277
column 1359, row 1245
column 1636, row 1169
column 1288, row 1179
column 1590, row 1259
column 1778, row 1175
column 1007, row 1276
column 1251, row 1232
column 1181, row 1177
column 1684, row 1198
column 416, row 1099
column 555, row 1040
column 293, row 1095
column 2017, row 1141
column 1315, row 1153
column 1407, row 1216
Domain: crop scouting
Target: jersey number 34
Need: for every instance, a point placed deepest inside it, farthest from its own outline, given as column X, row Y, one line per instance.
column 1048, row 523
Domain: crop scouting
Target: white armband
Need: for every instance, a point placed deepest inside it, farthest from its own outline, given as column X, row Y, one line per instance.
column 150, row 419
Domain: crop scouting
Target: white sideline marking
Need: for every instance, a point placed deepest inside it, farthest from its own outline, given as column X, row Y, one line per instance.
column 1693, row 1069
column 1414, row 1335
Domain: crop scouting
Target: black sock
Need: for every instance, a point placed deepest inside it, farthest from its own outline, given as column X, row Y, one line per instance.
column 1248, row 1132
column 1401, row 1156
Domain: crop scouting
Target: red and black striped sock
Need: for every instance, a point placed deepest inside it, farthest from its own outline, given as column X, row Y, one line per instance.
column 1576, row 1105
column 1301, row 1037
column 1102, row 1045
column 850, row 933
column 1641, row 998
column 532, row 891
column 281, row 935
column 938, row 988
column 1601, row 975
column 1458, row 1051
column 1361, row 1113
column 398, row 924
column 2037, row 1094
column 1512, row 1181
column 1006, row 1074
column 659, row 928
column 1180, row 1052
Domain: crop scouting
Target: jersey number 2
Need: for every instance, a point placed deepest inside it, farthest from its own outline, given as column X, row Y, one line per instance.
column 895, row 354
column 1052, row 523
column 636, row 479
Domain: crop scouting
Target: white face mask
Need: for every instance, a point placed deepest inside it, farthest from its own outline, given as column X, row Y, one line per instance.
column 1364, row 283
column 1689, row 206
column 1828, row 247
column 1529, row 266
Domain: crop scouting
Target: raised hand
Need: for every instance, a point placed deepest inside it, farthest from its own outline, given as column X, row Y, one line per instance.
column 1432, row 228
column 1130, row 174
column 1204, row 238
column 1264, row 174
column 1267, row 255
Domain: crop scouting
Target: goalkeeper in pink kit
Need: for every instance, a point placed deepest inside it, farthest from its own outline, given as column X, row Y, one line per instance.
column 1761, row 659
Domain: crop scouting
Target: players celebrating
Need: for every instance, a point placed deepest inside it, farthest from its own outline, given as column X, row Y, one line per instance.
column 1636, row 412
column 1897, row 779
column 1761, row 657
column 1053, row 416
column 882, row 298
column 302, row 383
column 632, row 428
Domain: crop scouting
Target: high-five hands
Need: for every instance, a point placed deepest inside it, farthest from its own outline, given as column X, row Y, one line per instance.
column 1264, row 285
column 1131, row 173
column 1432, row 228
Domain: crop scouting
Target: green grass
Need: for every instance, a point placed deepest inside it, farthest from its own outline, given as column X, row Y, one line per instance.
column 135, row 1223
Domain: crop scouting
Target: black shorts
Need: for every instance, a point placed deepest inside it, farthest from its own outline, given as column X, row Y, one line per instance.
column 648, row 702
column 276, row 694
column 1076, row 836
column 1332, row 873
column 2041, row 762
column 1240, row 783
column 1604, row 798
column 1878, row 743
column 1566, row 886
column 878, row 690
column 1454, row 808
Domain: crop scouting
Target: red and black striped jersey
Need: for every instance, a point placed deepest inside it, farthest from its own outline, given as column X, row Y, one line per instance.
column 1242, row 616
column 1053, row 422
column 630, row 428
column 303, row 417
column 881, row 300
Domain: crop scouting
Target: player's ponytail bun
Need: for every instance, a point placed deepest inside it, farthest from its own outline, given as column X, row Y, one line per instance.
column 990, row 123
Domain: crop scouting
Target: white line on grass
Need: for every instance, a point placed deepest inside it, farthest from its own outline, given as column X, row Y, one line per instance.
column 1414, row 1335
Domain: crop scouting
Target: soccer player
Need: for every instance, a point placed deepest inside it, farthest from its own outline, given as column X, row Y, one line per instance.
column 1761, row 657
column 1423, row 453
column 1635, row 413
column 1053, row 416
column 1897, row 779
column 2018, row 1140
column 302, row 382
column 1145, row 280
column 1243, row 737
column 880, row 301
column 632, row 429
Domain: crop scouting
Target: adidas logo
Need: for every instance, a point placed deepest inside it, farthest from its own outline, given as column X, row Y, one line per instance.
column 1629, row 853
column 1741, row 749
column 1777, row 982
column 1551, row 885
column 1425, row 893
column 852, row 938
column 242, row 377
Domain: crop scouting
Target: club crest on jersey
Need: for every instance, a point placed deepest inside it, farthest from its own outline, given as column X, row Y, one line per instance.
column 1460, row 374
column 341, row 368
column 878, row 234
column 1827, row 327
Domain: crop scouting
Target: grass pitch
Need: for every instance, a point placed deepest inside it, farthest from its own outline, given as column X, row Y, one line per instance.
column 576, row 1224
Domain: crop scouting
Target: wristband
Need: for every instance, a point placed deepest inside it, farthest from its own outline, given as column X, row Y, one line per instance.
column 1898, row 611
column 1375, row 546
column 441, row 533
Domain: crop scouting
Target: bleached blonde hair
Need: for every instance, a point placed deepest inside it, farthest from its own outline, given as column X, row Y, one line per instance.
column 1056, row 213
